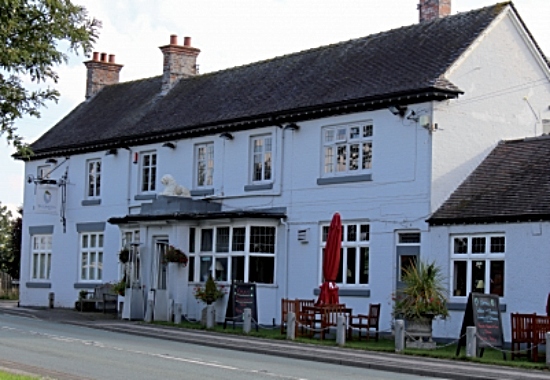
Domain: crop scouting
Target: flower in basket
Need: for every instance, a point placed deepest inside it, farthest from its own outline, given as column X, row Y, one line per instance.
column 175, row 255
column 423, row 294
column 120, row 287
column 124, row 255
column 210, row 292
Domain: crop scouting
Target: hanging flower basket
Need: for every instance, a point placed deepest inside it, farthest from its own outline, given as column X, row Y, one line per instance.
column 175, row 255
column 124, row 255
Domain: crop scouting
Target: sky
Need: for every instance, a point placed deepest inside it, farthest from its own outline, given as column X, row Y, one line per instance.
column 229, row 33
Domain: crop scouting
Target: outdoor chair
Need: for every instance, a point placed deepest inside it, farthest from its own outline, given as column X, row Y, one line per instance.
column 366, row 322
column 303, row 319
column 521, row 334
column 541, row 325
column 328, row 317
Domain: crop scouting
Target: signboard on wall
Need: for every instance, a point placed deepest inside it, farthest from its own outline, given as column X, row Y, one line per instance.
column 46, row 199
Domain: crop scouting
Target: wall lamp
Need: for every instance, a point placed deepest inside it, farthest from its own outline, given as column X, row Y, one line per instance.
column 227, row 136
column 292, row 127
column 112, row 151
column 398, row 110
column 51, row 161
column 169, row 144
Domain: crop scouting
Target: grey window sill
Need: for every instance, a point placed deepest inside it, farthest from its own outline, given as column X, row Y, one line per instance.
column 91, row 202
column 38, row 285
column 86, row 285
column 348, row 292
column 344, row 179
column 461, row 306
column 145, row 197
column 266, row 186
column 202, row 192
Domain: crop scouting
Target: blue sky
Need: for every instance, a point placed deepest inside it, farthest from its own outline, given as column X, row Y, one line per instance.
column 229, row 33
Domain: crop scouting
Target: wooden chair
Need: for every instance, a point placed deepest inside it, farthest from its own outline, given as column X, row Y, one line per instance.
column 287, row 306
column 329, row 317
column 521, row 334
column 303, row 320
column 366, row 322
column 541, row 325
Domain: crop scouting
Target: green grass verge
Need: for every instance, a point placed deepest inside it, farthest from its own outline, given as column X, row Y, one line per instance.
column 448, row 352
column 11, row 376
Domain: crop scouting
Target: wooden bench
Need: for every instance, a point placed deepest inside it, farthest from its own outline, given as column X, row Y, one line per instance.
column 296, row 306
column 102, row 294
column 366, row 322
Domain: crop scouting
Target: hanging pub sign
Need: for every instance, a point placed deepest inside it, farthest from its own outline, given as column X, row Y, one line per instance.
column 483, row 312
column 46, row 199
column 242, row 296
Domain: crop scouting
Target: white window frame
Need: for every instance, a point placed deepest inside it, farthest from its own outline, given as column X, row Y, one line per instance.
column 41, row 257
column 211, row 261
column 469, row 257
column 130, row 241
column 93, row 178
column 204, row 162
column 360, row 243
column 148, row 172
column 262, row 148
column 91, row 256
column 347, row 137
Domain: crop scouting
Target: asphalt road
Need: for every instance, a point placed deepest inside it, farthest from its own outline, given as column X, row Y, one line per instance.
column 62, row 351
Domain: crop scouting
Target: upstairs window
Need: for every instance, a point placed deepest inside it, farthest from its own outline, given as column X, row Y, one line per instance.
column 204, row 164
column 262, row 154
column 93, row 184
column 148, row 171
column 347, row 149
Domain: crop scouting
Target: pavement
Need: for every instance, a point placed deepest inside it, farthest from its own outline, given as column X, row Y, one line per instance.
column 399, row 363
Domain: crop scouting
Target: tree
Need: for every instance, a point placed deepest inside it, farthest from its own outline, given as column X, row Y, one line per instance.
column 6, row 256
column 16, row 236
column 30, row 34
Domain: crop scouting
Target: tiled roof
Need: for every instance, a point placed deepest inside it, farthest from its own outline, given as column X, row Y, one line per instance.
column 408, row 60
column 511, row 184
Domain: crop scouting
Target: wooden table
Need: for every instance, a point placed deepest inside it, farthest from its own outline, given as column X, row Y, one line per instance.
column 325, row 316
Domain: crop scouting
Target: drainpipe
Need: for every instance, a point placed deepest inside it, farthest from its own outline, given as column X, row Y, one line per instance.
column 287, row 255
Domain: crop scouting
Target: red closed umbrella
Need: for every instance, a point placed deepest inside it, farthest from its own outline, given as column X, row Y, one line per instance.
column 331, row 263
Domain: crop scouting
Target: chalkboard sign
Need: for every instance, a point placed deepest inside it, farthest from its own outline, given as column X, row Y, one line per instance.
column 483, row 312
column 241, row 296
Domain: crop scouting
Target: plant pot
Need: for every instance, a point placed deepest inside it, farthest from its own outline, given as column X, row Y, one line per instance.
column 419, row 332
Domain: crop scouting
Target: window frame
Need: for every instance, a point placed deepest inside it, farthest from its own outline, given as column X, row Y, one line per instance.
column 95, row 267
column 347, row 246
column 147, row 181
column 232, row 249
column 208, row 162
column 266, row 156
column 95, row 184
column 471, row 254
column 330, row 162
column 41, row 252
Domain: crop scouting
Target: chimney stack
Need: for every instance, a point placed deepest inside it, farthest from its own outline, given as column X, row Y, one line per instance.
column 180, row 61
column 433, row 9
column 101, row 73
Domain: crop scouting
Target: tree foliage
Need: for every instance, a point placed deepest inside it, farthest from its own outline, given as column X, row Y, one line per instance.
column 30, row 34
column 10, row 242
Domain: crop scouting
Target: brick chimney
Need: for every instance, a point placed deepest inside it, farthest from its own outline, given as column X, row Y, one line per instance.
column 433, row 9
column 101, row 73
column 180, row 61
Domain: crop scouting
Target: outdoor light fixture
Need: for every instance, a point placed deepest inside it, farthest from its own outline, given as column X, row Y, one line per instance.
column 292, row 127
column 398, row 110
column 51, row 161
column 227, row 136
column 112, row 151
column 169, row 144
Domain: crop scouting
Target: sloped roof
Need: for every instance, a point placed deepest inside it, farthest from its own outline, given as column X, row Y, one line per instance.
column 399, row 62
column 512, row 184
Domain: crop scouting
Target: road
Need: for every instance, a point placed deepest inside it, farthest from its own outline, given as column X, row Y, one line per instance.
column 63, row 351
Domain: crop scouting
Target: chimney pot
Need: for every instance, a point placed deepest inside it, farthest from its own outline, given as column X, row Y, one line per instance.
column 173, row 39
column 187, row 41
column 111, row 58
column 433, row 9
column 96, row 56
column 103, row 57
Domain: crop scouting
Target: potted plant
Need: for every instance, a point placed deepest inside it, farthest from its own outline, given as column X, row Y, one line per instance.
column 175, row 255
column 422, row 299
column 120, row 287
column 124, row 255
column 210, row 292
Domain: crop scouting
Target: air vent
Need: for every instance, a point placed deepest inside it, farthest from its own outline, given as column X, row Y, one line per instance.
column 303, row 235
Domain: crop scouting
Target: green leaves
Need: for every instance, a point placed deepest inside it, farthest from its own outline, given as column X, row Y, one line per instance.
column 30, row 33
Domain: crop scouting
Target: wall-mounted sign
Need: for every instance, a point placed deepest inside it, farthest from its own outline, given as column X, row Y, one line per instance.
column 46, row 199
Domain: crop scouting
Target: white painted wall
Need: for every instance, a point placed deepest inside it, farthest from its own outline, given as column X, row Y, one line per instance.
column 527, row 269
column 506, row 95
